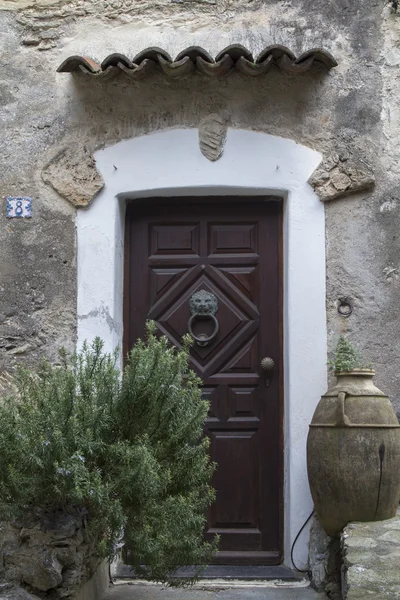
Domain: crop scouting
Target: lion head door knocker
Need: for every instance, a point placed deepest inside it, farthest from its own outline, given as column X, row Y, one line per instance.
column 203, row 305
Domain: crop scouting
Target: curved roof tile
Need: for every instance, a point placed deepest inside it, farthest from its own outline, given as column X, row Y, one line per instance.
column 196, row 58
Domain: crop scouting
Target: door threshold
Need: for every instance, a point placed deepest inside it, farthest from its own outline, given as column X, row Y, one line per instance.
column 227, row 573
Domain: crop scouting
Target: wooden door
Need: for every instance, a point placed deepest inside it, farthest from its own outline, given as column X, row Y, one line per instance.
column 229, row 248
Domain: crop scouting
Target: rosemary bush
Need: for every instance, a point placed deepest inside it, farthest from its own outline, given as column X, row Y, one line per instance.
column 128, row 452
column 347, row 357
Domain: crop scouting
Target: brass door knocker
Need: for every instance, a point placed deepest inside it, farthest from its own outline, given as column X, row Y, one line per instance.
column 203, row 305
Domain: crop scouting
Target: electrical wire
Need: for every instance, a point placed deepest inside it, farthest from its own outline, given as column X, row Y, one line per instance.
column 293, row 545
column 110, row 579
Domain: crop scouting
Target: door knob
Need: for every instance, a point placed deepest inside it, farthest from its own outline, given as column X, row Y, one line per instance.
column 267, row 364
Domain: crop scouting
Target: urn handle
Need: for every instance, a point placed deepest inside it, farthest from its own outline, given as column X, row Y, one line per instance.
column 341, row 419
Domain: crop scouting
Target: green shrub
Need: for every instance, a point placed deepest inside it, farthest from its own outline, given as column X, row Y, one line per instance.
column 347, row 357
column 131, row 453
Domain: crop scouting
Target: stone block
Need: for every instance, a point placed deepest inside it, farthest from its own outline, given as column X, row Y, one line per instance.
column 73, row 174
column 324, row 561
column 371, row 560
column 339, row 176
column 9, row 591
column 49, row 555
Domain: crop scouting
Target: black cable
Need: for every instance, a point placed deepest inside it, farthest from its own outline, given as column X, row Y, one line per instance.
column 293, row 545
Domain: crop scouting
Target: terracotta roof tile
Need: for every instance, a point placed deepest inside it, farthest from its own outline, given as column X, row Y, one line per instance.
column 196, row 58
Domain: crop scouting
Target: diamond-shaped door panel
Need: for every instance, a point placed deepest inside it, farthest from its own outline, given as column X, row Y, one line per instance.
column 229, row 316
column 237, row 317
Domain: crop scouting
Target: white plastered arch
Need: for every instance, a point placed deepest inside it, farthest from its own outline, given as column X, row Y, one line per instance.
column 170, row 164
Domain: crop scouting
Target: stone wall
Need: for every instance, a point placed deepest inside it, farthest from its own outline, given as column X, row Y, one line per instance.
column 362, row 563
column 48, row 557
column 371, row 560
column 10, row 591
column 325, row 561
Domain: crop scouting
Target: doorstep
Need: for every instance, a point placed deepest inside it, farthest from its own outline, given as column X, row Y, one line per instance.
column 222, row 574
column 143, row 591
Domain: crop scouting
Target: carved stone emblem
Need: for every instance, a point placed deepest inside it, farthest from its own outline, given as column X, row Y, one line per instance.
column 73, row 174
column 339, row 176
column 203, row 303
column 212, row 136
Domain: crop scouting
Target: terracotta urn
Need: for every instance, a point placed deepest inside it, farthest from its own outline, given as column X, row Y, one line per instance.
column 353, row 453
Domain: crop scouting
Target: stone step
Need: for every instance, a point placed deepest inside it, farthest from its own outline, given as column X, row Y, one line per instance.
column 212, row 572
column 268, row 591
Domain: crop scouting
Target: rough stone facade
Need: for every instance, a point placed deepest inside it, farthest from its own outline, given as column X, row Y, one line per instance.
column 325, row 560
column 50, row 557
column 9, row 591
column 362, row 563
column 371, row 559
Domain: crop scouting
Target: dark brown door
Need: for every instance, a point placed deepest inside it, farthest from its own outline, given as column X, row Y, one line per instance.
column 231, row 249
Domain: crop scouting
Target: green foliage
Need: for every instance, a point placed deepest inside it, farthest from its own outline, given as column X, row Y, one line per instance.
column 346, row 357
column 131, row 453
column 53, row 439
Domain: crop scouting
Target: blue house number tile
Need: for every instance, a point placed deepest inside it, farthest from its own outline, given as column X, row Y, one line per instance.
column 20, row 207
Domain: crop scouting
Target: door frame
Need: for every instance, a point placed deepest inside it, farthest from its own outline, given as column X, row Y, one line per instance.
column 169, row 163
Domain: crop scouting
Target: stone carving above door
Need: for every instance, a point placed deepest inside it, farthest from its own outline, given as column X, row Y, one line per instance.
column 340, row 175
column 72, row 171
column 212, row 136
column 73, row 174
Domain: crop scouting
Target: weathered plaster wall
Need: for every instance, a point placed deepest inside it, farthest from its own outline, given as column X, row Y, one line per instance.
column 350, row 111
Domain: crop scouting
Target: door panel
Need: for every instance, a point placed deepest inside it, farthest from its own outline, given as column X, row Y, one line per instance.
column 231, row 248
